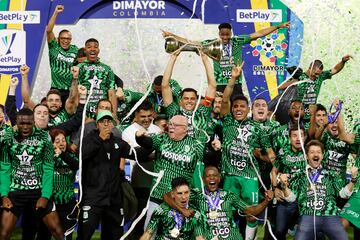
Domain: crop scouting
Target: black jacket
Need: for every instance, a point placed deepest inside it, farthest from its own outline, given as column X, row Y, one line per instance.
column 101, row 176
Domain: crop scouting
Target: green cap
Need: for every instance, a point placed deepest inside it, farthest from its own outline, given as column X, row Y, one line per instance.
column 104, row 114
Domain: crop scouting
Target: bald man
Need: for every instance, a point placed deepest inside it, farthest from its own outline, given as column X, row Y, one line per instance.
column 175, row 152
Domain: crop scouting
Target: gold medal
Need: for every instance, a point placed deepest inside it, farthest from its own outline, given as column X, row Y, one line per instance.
column 213, row 214
column 174, row 232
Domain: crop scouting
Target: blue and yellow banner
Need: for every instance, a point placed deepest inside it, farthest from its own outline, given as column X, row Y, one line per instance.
column 266, row 58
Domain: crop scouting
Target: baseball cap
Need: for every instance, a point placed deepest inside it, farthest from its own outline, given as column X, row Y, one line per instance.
column 104, row 114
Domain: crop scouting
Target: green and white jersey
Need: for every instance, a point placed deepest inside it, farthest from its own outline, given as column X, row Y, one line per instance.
column 64, row 178
column 282, row 135
column 290, row 162
column 124, row 107
column 214, row 126
column 336, row 154
column 4, row 129
column 28, row 163
column 269, row 129
column 224, row 226
column 163, row 221
column 202, row 119
column 327, row 186
column 308, row 92
column 60, row 117
column 176, row 158
column 231, row 54
column 240, row 138
column 61, row 62
column 157, row 101
column 101, row 77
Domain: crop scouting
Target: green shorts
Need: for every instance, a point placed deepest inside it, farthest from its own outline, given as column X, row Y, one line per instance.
column 246, row 188
column 351, row 210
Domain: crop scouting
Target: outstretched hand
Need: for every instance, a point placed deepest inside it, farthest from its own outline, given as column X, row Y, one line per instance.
column 237, row 69
column 284, row 25
column 346, row 58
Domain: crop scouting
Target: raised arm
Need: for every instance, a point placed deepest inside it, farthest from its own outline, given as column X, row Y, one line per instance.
column 10, row 104
column 50, row 27
column 343, row 134
column 268, row 30
column 165, row 85
column 287, row 83
column 225, row 104
column 211, row 89
column 338, row 67
column 72, row 101
column 25, row 89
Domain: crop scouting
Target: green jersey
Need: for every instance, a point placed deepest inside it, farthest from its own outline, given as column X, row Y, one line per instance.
column 308, row 92
column 269, row 129
column 282, row 135
column 336, row 154
column 157, row 100
column 231, row 54
column 64, row 178
column 176, row 158
column 290, row 162
column 327, row 186
column 224, row 226
column 240, row 138
column 197, row 128
column 4, row 129
column 124, row 107
column 60, row 117
column 61, row 62
column 28, row 163
column 101, row 77
column 165, row 219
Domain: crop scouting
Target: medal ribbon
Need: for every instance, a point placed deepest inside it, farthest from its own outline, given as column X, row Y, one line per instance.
column 178, row 218
column 314, row 177
column 227, row 49
column 213, row 202
column 159, row 100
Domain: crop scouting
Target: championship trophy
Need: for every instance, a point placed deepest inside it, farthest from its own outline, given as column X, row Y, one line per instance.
column 212, row 49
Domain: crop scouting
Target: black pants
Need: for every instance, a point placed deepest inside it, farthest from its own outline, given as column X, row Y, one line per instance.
column 142, row 195
column 111, row 220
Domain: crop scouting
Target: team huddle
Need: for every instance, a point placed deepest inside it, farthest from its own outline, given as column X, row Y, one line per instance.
column 202, row 167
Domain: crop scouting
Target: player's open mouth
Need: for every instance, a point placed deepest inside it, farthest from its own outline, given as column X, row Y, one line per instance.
column 316, row 159
column 212, row 183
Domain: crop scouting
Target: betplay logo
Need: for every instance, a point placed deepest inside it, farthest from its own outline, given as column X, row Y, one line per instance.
column 25, row 17
column 248, row 15
column 12, row 50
